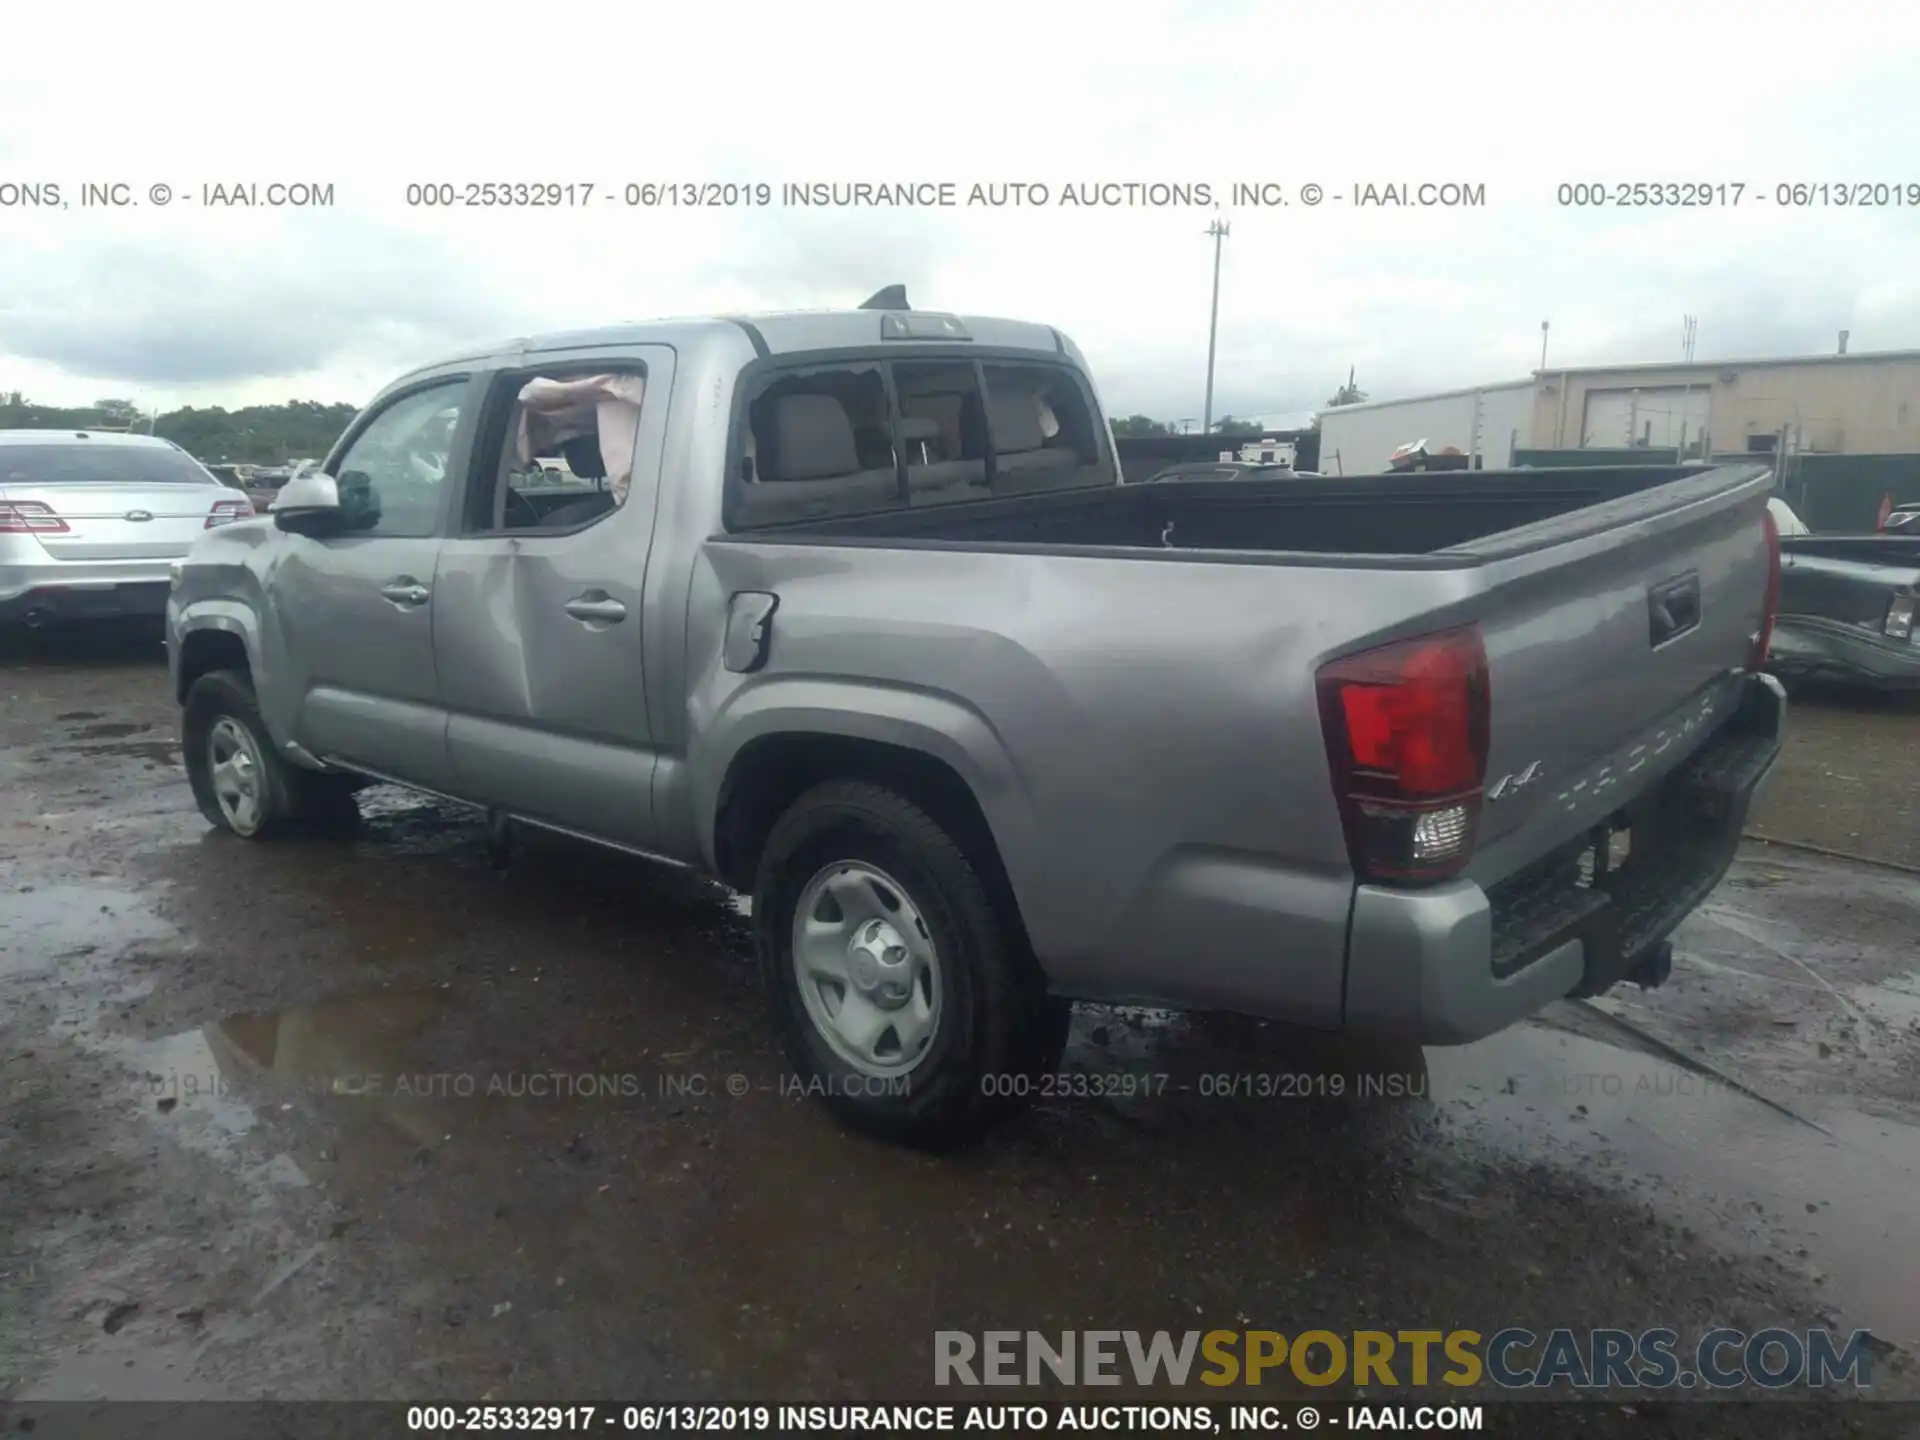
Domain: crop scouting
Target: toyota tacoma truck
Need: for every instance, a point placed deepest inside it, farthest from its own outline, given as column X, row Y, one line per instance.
column 850, row 611
column 1847, row 606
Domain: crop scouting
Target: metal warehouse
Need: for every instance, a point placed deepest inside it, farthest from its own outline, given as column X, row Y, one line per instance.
column 1866, row 403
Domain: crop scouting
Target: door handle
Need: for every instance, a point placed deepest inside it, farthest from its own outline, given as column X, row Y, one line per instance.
column 596, row 606
column 405, row 591
column 1673, row 608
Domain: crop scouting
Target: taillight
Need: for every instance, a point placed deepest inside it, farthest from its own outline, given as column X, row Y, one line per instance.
column 225, row 512
column 1763, row 637
column 1406, row 730
column 30, row 517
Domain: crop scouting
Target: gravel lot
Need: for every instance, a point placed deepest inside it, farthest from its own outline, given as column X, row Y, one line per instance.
column 365, row 1118
column 1848, row 780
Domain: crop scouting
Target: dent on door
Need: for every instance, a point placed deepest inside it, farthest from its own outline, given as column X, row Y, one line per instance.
column 543, row 670
column 538, row 639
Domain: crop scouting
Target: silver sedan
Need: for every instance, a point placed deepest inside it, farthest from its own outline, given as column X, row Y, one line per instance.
column 91, row 520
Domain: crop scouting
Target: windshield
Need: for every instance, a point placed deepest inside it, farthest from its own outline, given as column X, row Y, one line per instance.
column 82, row 462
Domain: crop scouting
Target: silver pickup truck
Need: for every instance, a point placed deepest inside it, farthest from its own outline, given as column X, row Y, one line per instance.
column 851, row 611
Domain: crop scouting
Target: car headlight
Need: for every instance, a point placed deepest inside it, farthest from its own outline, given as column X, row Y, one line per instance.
column 1899, row 624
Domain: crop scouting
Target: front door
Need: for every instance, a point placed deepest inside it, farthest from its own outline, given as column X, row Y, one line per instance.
column 357, row 608
column 538, row 636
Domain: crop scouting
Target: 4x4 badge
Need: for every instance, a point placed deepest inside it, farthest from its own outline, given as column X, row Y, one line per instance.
column 1519, row 780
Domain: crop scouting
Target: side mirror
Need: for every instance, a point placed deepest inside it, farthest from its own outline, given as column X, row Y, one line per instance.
column 309, row 505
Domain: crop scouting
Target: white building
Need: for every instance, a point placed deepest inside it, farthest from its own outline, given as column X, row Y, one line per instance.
column 1488, row 423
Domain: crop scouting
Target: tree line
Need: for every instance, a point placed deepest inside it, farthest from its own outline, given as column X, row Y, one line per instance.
column 251, row 435
column 1348, row 394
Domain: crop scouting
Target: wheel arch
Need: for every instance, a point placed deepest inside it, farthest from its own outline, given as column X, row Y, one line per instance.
column 212, row 639
column 941, row 755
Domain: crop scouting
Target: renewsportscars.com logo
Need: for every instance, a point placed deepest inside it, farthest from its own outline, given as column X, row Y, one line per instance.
column 1514, row 1358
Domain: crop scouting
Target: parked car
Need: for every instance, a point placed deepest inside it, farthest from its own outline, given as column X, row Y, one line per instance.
column 1222, row 470
column 1902, row 520
column 90, row 521
column 1846, row 607
column 867, row 627
column 228, row 475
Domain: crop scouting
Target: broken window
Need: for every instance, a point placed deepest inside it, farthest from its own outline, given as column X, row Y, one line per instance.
column 819, row 443
column 1045, row 436
column 566, row 451
column 943, row 429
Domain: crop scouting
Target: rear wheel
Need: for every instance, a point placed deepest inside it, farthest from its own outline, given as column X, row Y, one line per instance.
column 239, row 779
column 905, row 998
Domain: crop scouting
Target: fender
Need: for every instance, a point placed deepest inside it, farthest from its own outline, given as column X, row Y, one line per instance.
column 936, row 724
column 232, row 617
column 228, row 615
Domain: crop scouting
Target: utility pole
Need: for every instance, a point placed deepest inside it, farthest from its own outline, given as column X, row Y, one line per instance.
column 1219, row 231
column 1688, row 330
column 1543, row 345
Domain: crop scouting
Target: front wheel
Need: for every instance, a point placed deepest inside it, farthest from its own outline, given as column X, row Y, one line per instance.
column 903, row 995
column 239, row 779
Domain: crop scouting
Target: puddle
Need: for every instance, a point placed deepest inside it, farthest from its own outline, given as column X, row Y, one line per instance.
column 381, row 802
column 78, row 715
column 1839, row 1208
column 339, row 1047
column 44, row 928
column 180, row 1077
column 356, row 1048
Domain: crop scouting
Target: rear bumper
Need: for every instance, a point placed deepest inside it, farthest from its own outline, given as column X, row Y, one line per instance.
column 1453, row 963
column 1813, row 647
column 97, row 601
column 83, row 590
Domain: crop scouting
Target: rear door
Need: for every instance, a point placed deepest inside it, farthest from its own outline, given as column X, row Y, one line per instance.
column 112, row 498
column 355, row 610
column 538, row 636
column 1611, row 653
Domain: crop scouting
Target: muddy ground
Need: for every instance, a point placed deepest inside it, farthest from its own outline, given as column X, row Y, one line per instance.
column 365, row 1118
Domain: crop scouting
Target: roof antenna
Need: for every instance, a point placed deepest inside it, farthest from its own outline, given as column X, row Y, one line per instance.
column 894, row 297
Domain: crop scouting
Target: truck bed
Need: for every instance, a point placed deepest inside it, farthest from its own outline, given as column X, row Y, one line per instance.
column 1615, row 605
column 1449, row 516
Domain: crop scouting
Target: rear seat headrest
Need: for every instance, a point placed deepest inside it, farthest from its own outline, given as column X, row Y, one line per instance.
column 813, row 439
column 1016, row 422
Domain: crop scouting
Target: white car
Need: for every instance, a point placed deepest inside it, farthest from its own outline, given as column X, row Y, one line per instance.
column 90, row 521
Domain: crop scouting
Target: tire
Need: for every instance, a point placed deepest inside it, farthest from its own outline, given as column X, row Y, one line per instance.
column 222, row 719
column 992, row 1024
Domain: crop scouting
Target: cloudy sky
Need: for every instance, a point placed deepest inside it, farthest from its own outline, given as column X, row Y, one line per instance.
column 184, row 304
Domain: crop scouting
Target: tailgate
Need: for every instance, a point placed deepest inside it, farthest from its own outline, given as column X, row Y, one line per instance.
column 1610, row 652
